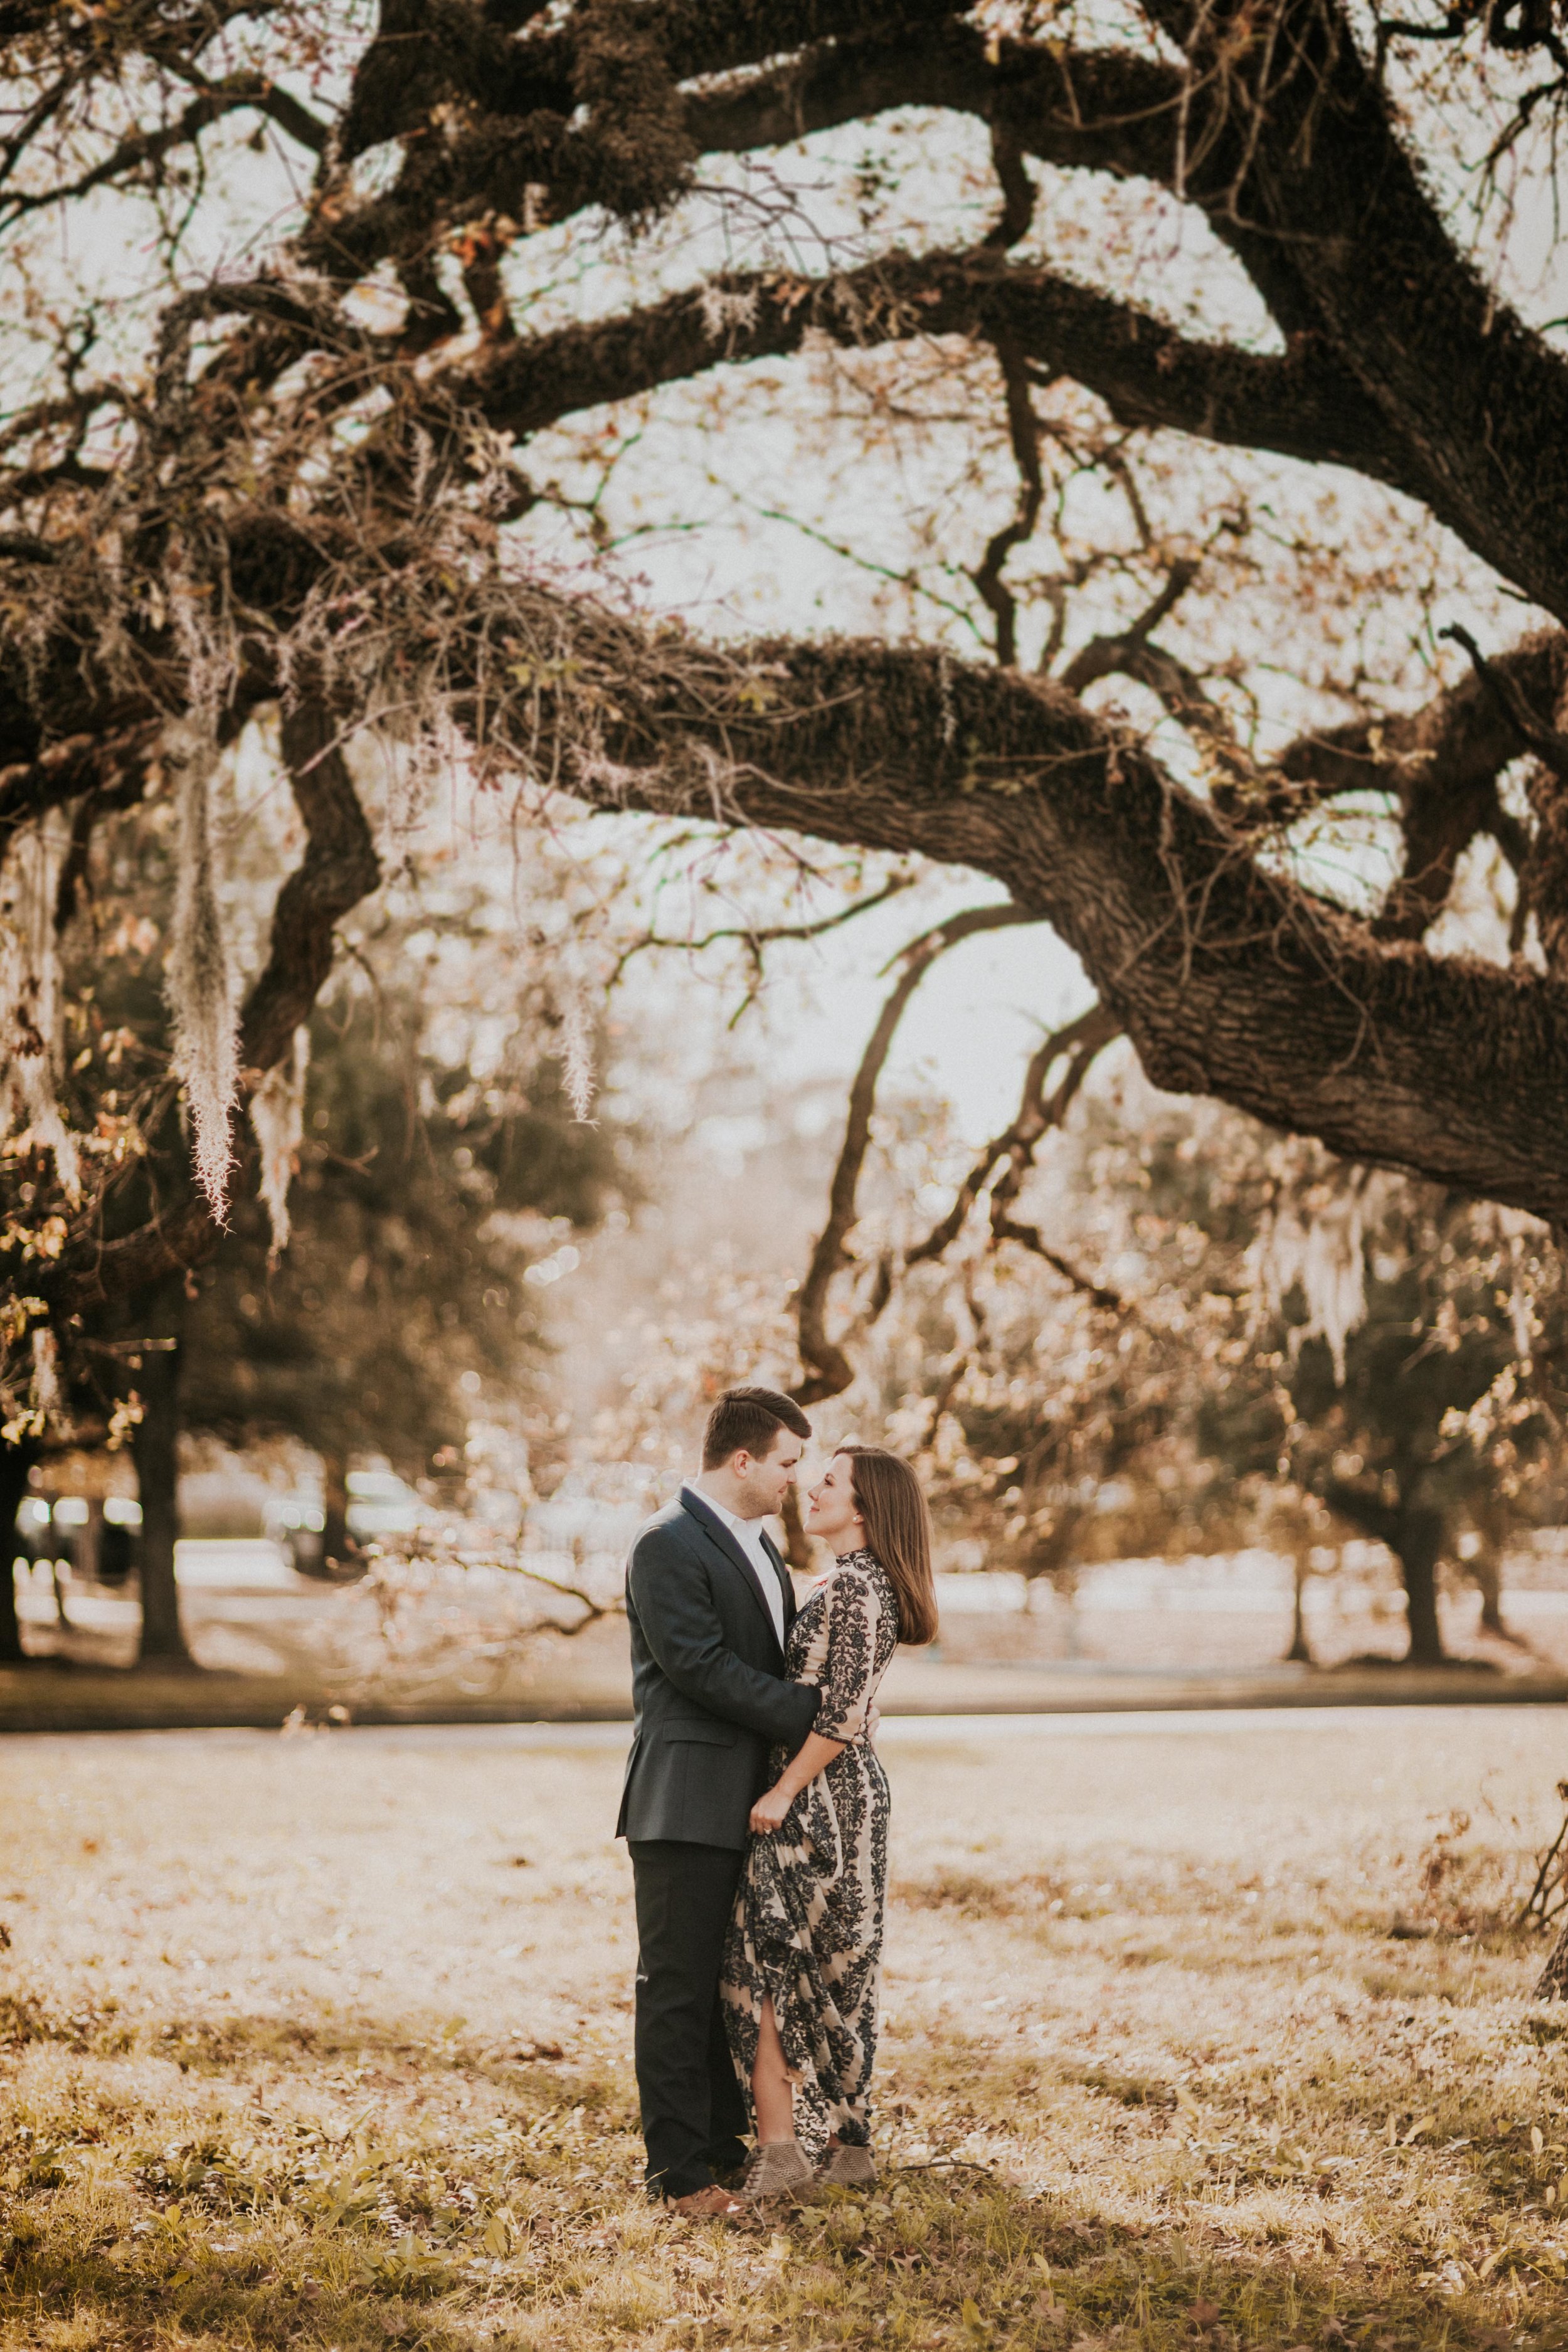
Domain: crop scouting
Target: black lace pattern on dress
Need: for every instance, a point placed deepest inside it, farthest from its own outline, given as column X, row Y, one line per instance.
column 807, row 1927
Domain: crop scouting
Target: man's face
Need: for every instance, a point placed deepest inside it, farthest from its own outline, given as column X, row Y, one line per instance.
column 763, row 1478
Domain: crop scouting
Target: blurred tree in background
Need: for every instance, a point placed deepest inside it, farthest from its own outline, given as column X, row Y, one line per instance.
column 399, row 1310
column 417, row 1155
column 1141, row 1325
column 1409, row 1368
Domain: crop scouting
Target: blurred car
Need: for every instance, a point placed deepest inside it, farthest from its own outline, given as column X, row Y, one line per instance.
column 295, row 1523
column 102, row 1549
column 380, row 1504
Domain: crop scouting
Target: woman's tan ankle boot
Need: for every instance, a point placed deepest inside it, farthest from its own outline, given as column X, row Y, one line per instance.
column 848, row 2168
column 779, row 2168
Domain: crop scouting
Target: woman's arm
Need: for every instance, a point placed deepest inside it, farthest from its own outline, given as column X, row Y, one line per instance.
column 846, row 1687
column 816, row 1757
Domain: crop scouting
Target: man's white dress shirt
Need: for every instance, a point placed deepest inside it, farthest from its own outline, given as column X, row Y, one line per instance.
column 748, row 1534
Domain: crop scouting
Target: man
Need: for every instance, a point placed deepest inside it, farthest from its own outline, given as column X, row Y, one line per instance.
column 709, row 1603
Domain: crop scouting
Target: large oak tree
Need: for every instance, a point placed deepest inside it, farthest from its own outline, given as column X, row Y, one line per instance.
column 291, row 459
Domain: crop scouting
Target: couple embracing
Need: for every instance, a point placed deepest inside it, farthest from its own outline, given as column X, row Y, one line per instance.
column 756, row 1812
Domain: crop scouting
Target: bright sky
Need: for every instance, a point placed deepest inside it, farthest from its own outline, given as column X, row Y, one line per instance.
column 972, row 1025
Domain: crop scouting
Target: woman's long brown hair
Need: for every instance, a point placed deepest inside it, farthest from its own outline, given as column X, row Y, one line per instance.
column 891, row 1502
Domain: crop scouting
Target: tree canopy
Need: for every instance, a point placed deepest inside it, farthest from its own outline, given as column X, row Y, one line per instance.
column 1199, row 357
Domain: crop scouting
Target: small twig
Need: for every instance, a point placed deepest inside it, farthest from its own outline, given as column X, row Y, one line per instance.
column 947, row 2163
column 757, row 937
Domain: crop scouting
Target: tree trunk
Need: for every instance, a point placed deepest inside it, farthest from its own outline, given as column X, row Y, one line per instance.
column 1493, row 1525
column 15, row 1461
column 335, row 1539
column 797, row 1548
column 1486, row 1575
column 1300, row 1653
column 1417, row 1544
column 155, row 1449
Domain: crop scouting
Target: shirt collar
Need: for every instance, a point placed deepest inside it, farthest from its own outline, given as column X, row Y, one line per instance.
column 748, row 1530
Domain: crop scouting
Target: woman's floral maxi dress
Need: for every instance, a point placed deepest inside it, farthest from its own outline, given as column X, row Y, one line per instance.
column 807, row 1927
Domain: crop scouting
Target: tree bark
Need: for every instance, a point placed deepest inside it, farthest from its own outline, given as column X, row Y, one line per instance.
column 155, row 1449
column 1417, row 1545
column 15, row 1461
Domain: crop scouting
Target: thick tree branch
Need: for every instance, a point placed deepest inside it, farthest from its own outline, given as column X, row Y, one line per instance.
column 1301, row 405
column 1296, row 134
column 1439, row 764
column 1230, row 980
column 110, row 766
column 1288, row 145
column 422, row 56
column 338, row 869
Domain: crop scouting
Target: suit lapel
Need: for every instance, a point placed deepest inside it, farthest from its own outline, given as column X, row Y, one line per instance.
column 783, row 1574
column 719, row 1535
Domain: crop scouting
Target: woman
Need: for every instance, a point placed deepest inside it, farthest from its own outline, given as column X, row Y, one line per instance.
column 801, row 1964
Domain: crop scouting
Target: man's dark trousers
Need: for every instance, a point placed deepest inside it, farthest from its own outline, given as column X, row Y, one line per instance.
column 692, row 2111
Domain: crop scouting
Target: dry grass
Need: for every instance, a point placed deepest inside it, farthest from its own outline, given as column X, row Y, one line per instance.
column 325, row 2042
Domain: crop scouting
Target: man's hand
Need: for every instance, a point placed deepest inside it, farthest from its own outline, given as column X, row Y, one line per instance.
column 768, row 1812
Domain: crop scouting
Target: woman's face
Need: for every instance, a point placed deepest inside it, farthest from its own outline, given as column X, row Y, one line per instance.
column 833, row 1515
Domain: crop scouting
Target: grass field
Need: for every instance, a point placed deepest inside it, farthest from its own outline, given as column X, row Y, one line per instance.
column 325, row 2041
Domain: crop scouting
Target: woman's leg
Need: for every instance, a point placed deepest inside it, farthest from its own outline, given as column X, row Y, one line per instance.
column 772, row 2093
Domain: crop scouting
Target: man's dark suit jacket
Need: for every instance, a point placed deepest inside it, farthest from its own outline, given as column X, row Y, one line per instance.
column 708, row 1689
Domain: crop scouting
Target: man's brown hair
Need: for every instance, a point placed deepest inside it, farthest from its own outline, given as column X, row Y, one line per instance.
column 748, row 1419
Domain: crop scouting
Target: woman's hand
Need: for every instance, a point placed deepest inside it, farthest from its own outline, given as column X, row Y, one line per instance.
column 816, row 1757
column 768, row 1812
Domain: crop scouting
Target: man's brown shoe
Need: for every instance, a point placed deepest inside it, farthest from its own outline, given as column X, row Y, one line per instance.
column 710, row 2204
